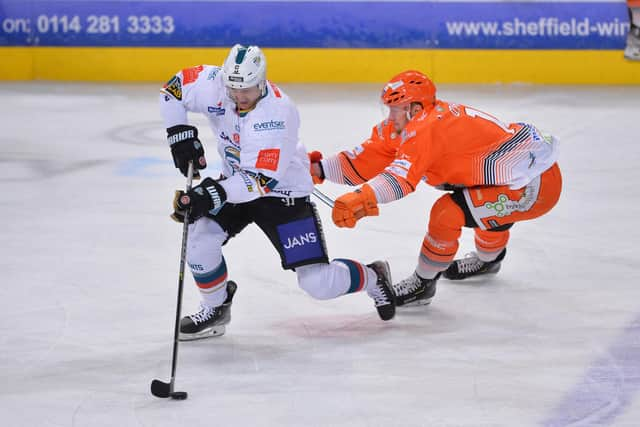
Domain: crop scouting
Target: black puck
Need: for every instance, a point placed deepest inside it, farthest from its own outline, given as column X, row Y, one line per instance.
column 179, row 395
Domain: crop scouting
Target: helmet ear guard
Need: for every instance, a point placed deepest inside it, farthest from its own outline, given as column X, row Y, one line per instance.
column 245, row 67
column 409, row 86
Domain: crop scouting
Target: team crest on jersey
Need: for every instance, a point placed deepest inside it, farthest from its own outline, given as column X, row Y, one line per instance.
column 173, row 87
column 232, row 156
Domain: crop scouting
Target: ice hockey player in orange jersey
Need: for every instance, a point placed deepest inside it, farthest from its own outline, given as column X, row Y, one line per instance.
column 495, row 174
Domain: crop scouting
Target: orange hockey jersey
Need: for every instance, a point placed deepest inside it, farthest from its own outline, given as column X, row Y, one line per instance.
column 457, row 145
column 448, row 145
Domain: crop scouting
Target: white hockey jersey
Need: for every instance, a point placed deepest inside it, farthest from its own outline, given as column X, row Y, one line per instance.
column 260, row 150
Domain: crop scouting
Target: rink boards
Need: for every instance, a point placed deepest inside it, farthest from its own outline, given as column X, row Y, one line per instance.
column 311, row 41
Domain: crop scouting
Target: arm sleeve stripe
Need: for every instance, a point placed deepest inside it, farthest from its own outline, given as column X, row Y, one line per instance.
column 355, row 176
column 339, row 169
column 389, row 187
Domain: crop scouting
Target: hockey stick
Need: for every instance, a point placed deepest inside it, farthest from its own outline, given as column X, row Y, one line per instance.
column 160, row 388
column 323, row 198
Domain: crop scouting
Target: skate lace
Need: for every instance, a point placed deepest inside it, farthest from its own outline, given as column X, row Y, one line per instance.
column 408, row 285
column 470, row 263
column 203, row 315
column 376, row 292
column 379, row 296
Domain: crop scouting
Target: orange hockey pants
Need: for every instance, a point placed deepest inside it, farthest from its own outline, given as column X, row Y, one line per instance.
column 490, row 211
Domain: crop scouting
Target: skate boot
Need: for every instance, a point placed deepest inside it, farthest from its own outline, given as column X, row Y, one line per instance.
column 381, row 291
column 415, row 290
column 632, row 50
column 471, row 265
column 209, row 321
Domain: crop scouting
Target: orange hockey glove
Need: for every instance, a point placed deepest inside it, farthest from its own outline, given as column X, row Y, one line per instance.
column 317, row 174
column 350, row 207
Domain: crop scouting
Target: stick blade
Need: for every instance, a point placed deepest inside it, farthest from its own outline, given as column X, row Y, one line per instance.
column 160, row 388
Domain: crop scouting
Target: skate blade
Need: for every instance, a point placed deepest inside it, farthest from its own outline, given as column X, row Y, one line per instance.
column 476, row 277
column 418, row 303
column 215, row 331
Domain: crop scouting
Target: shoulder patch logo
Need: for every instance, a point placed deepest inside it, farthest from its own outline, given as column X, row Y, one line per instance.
column 174, row 88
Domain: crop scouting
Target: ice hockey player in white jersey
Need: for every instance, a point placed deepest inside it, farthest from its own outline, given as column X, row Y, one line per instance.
column 265, row 180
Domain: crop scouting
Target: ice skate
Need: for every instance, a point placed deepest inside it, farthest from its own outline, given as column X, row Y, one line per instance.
column 415, row 290
column 209, row 321
column 471, row 266
column 381, row 291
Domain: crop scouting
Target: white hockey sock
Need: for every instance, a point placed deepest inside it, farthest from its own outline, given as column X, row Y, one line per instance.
column 425, row 272
column 204, row 256
column 212, row 284
column 485, row 256
column 216, row 298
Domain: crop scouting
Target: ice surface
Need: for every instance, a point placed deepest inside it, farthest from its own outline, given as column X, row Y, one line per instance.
column 89, row 262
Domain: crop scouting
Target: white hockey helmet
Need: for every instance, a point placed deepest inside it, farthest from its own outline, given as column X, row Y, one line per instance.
column 245, row 67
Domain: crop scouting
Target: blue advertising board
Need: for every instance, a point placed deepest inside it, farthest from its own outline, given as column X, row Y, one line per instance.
column 315, row 24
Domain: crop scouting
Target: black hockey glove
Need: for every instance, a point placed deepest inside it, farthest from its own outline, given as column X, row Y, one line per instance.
column 207, row 197
column 185, row 147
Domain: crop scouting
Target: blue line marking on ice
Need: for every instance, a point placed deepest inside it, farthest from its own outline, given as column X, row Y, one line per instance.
column 607, row 388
